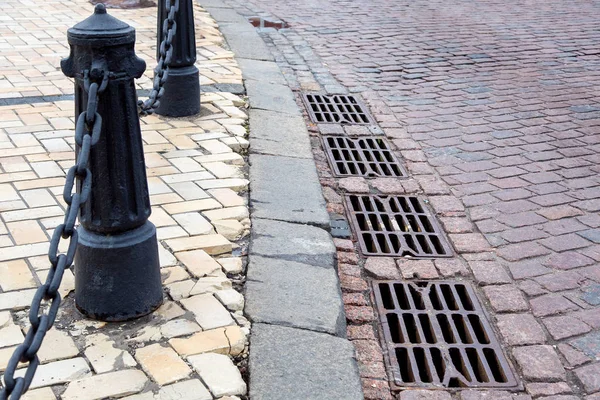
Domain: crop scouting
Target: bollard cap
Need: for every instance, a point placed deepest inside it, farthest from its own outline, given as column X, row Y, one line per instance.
column 101, row 29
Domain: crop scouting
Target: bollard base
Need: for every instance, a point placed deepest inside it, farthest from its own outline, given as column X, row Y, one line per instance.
column 182, row 93
column 117, row 277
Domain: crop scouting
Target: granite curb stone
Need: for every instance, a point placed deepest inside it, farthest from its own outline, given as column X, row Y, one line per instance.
column 291, row 274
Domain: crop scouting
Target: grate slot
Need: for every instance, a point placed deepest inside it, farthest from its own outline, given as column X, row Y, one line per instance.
column 397, row 226
column 336, row 109
column 361, row 157
column 436, row 334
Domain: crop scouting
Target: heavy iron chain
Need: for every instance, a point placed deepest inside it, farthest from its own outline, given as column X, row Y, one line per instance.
column 46, row 300
column 161, row 71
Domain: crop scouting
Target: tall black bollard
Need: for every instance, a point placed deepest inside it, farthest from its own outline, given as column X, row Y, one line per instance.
column 117, row 272
column 181, row 96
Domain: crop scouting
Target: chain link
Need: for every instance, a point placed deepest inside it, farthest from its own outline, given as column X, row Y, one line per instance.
column 165, row 51
column 46, row 300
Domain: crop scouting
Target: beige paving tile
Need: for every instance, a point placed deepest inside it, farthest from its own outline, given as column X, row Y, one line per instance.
column 37, row 198
column 189, row 191
column 26, row 232
column 212, row 244
column 227, row 197
column 8, row 192
column 162, row 364
column 15, row 275
column 198, row 262
column 113, row 384
column 188, row 206
column 58, row 372
column 194, row 223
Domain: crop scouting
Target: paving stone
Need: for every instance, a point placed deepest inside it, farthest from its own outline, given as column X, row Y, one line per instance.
column 198, row 262
column 57, row 345
column 187, row 390
column 294, row 294
column 417, row 394
column 295, row 242
column 286, row 189
column 210, row 284
column 548, row 389
column 10, row 335
column 162, row 364
column 588, row 344
column 39, row 394
column 589, row 377
column 58, row 372
column 230, row 228
column 469, row 242
column 104, row 356
column 354, row 185
column 561, row 280
column 289, row 363
column 231, row 265
column 178, row 327
column 228, row 340
column 551, row 304
column 231, row 299
column 421, row 269
column 451, row 267
column 520, row 329
column 267, row 137
column 212, row 244
column 102, row 386
column 564, row 242
column 208, row 311
column 15, row 275
column 573, row 357
column 382, row 268
column 568, row 260
column 506, row 298
column 219, row 373
column 565, row 326
column 539, row 363
column 489, row 272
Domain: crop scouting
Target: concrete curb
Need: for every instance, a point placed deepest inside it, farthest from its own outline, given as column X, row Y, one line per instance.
column 298, row 348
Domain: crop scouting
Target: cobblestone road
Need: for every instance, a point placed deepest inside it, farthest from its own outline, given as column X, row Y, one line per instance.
column 186, row 349
column 494, row 109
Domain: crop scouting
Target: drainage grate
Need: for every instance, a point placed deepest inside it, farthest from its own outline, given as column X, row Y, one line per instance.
column 361, row 157
column 336, row 109
column 437, row 335
column 396, row 226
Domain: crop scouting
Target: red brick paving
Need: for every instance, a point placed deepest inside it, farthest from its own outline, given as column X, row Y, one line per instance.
column 494, row 108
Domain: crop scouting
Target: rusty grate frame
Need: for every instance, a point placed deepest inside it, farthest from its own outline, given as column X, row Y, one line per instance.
column 396, row 226
column 366, row 156
column 436, row 335
column 336, row 109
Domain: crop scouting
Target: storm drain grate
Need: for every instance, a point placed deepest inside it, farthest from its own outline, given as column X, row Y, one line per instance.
column 437, row 335
column 361, row 157
column 336, row 109
column 396, row 226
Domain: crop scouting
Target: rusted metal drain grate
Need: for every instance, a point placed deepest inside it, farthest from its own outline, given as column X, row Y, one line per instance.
column 437, row 335
column 361, row 157
column 336, row 109
column 396, row 226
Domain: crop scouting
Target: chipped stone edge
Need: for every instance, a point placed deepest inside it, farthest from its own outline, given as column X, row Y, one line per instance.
column 226, row 16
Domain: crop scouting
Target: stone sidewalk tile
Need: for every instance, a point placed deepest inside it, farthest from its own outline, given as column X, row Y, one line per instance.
column 25, row 73
column 197, row 184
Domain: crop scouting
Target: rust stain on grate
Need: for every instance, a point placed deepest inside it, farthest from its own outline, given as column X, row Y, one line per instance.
column 361, row 157
column 396, row 226
column 437, row 335
column 336, row 109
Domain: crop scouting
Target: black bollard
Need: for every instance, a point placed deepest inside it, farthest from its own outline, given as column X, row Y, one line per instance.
column 181, row 96
column 117, row 271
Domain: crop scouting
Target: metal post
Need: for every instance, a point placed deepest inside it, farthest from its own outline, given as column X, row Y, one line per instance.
column 117, row 272
column 181, row 96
